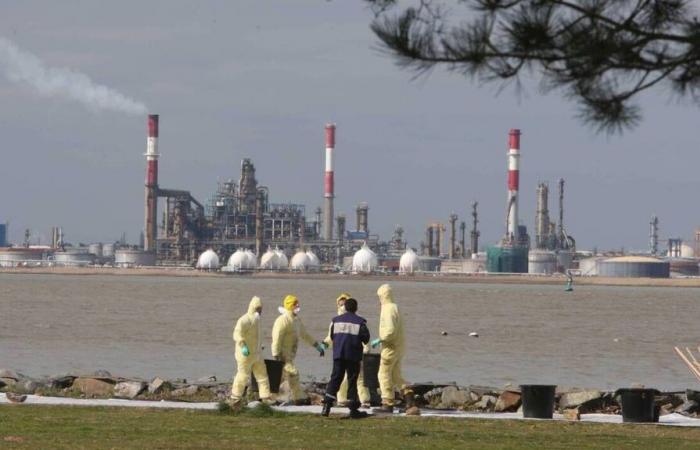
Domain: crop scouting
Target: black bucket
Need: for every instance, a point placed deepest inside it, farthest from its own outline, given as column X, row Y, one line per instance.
column 370, row 368
column 638, row 405
column 274, row 374
column 538, row 400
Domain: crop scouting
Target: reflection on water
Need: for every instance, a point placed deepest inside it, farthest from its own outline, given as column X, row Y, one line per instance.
column 604, row 337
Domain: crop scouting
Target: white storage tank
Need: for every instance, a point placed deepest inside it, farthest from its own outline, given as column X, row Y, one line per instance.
column 364, row 260
column 634, row 266
column 314, row 262
column 541, row 262
column 238, row 261
column 270, row 260
column 252, row 260
column 300, row 262
column 95, row 249
column 208, row 260
column 133, row 258
column 564, row 260
column 282, row 262
column 74, row 257
column 409, row 262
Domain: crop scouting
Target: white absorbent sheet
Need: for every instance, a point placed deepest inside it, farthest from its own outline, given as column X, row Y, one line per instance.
column 669, row 419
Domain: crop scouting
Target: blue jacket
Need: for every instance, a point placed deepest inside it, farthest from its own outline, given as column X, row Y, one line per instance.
column 348, row 332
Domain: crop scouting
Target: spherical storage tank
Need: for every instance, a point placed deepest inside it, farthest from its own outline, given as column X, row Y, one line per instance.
column 634, row 266
column 364, row 261
column 300, row 262
column 252, row 259
column 208, row 260
column 542, row 262
column 314, row 262
column 282, row 262
column 409, row 262
column 270, row 260
column 239, row 261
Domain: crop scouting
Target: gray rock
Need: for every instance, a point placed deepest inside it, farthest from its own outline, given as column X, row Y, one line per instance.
column 688, row 408
column 92, row 387
column 507, row 402
column 61, row 381
column 487, row 403
column 159, row 385
column 454, row 398
column 186, row 391
column 578, row 398
column 8, row 381
column 129, row 389
column 689, row 394
column 7, row 373
column 29, row 386
column 208, row 379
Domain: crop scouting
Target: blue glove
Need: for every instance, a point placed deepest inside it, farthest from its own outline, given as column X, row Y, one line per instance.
column 321, row 349
column 245, row 350
column 375, row 342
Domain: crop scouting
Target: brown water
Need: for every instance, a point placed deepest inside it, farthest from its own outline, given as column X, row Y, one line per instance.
column 605, row 337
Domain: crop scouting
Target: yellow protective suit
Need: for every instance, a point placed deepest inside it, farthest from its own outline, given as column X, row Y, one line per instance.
column 392, row 339
column 247, row 332
column 362, row 391
column 286, row 332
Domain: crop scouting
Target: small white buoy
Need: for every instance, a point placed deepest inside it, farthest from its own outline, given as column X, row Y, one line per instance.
column 473, row 334
column 444, row 333
column 616, row 340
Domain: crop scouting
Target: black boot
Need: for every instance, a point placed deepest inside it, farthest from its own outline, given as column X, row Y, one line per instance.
column 326, row 411
column 356, row 414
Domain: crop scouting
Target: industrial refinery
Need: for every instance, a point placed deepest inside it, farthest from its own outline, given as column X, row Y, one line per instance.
column 242, row 227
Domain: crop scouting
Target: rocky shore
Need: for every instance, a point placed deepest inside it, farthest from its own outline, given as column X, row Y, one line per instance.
column 102, row 384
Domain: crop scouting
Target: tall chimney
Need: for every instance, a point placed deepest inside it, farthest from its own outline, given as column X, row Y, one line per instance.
column 512, row 234
column 329, row 185
column 149, row 242
column 453, row 236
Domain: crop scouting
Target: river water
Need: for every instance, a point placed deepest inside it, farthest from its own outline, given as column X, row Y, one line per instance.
column 603, row 337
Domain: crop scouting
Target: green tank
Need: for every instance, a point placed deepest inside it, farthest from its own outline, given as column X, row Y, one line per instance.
column 506, row 259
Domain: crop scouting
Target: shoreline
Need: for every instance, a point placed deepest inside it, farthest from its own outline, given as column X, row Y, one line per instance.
column 480, row 278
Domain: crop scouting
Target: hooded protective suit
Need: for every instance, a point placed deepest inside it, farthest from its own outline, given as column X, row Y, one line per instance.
column 286, row 332
column 247, row 334
column 362, row 390
column 392, row 339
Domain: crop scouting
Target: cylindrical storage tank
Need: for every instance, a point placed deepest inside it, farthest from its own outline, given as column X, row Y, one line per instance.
column 282, row 262
column 687, row 251
column 364, row 260
column 541, row 262
column 269, row 260
column 684, row 266
column 564, row 260
column 208, row 260
column 589, row 266
column 108, row 251
column 20, row 257
column 300, row 262
column 238, row 261
column 314, row 262
column 95, row 249
column 133, row 258
column 409, row 262
column 74, row 257
column 634, row 266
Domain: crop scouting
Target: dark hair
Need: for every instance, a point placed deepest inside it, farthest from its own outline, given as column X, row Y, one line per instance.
column 351, row 305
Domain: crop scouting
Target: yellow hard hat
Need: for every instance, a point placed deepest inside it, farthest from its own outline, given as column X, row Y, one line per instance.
column 342, row 297
column 290, row 302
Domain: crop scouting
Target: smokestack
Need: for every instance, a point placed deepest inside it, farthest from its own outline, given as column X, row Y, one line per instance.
column 429, row 239
column 149, row 243
column 453, row 235
column 474, row 234
column 329, row 185
column 542, row 216
column 512, row 233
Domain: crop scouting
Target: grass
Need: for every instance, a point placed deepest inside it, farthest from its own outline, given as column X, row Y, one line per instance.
column 56, row 427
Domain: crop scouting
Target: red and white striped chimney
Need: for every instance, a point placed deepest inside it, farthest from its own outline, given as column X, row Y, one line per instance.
column 150, row 235
column 513, row 185
column 329, row 184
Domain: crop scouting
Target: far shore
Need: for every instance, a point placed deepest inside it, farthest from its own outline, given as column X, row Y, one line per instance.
column 558, row 279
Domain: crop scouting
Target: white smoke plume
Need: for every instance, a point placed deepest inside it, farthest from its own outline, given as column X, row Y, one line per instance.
column 19, row 66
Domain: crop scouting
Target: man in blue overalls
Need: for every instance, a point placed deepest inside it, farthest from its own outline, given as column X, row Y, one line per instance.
column 348, row 332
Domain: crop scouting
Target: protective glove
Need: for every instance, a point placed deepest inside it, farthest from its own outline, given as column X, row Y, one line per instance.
column 375, row 342
column 245, row 350
column 321, row 349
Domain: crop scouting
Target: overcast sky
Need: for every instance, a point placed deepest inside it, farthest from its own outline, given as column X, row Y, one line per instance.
column 259, row 79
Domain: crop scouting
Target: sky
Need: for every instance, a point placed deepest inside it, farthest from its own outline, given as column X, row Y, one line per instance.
column 242, row 79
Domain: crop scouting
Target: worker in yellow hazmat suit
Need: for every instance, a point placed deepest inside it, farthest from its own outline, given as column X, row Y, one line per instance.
column 246, row 335
column 362, row 390
column 286, row 332
column 392, row 340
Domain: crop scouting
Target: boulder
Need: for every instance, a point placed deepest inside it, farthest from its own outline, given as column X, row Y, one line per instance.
column 29, row 386
column 129, row 389
column 7, row 373
column 7, row 382
column 507, row 402
column 315, row 399
column 413, row 411
column 454, row 398
column 92, row 387
column 688, row 408
column 61, row 381
column 690, row 394
column 486, row 403
column 158, row 385
column 185, row 391
column 578, row 398
column 207, row 379
column 572, row 414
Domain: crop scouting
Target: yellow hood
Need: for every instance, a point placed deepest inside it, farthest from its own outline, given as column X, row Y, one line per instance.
column 385, row 295
column 341, row 298
column 255, row 303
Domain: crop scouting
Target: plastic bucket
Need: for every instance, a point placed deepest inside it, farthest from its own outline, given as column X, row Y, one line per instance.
column 638, row 405
column 274, row 374
column 370, row 368
column 538, row 400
